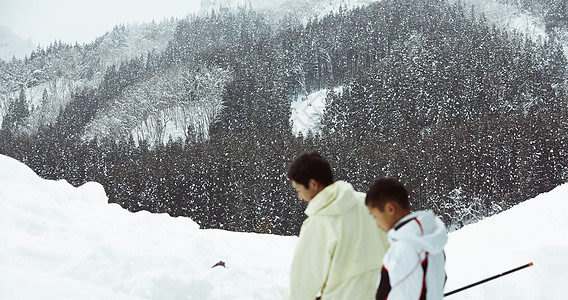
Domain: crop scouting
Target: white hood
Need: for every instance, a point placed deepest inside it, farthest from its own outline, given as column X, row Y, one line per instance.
column 427, row 231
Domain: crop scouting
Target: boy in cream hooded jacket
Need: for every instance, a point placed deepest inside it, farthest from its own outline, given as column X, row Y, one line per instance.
column 340, row 249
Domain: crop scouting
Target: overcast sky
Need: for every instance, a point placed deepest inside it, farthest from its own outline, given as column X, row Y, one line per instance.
column 70, row 21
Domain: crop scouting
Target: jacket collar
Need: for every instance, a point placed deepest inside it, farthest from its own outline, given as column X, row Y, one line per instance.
column 334, row 199
column 405, row 220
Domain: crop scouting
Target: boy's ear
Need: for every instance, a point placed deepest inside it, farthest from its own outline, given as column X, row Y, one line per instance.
column 313, row 183
column 390, row 207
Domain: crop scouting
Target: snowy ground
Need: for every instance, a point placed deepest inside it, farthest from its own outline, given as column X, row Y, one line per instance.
column 61, row 242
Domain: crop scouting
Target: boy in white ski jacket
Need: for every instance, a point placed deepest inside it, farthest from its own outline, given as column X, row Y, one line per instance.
column 413, row 267
column 340, row 248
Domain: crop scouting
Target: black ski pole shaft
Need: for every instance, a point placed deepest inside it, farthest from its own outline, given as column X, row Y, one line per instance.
column 488, row 279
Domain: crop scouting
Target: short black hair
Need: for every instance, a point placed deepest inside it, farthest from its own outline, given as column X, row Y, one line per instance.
column 384, row 190
column 311, row 166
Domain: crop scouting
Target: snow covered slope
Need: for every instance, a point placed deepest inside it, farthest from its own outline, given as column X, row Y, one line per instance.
column 510, row 17
column 62, row 242
column 533, row 231
column 307, row 112
column 507, row 16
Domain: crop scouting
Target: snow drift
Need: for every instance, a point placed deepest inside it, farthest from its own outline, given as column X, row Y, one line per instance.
column 62, row 242
column 533, row 231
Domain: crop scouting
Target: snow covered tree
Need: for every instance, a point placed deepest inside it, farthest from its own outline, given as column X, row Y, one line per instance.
column 18, row 112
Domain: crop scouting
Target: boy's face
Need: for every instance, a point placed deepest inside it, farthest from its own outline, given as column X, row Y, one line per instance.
column 304, row 193
column 385, row 219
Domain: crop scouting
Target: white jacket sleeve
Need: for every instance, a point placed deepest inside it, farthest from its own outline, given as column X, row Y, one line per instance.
column 312, row 259
column 405, row 271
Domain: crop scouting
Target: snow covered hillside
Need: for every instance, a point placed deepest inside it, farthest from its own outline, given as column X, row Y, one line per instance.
column 507, row 16
column 62, row 242
column 163, row 107
column 513, row 18
column 302, row 10
column 57, row 71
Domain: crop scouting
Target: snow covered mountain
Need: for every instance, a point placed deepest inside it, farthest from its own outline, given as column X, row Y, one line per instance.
column 12, row 45
column 51, row 80
column 62, row 242
column 54, row 73
column 483, row 110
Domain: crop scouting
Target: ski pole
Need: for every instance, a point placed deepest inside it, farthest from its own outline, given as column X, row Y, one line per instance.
column 488, row 279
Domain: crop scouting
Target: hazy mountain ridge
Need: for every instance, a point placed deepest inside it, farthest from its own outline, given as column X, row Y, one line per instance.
column 125, row 42
column 50, row 76
column 12, row 45
column 301, row 10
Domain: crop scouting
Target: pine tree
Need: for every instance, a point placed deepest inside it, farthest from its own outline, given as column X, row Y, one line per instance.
column 18, row 112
